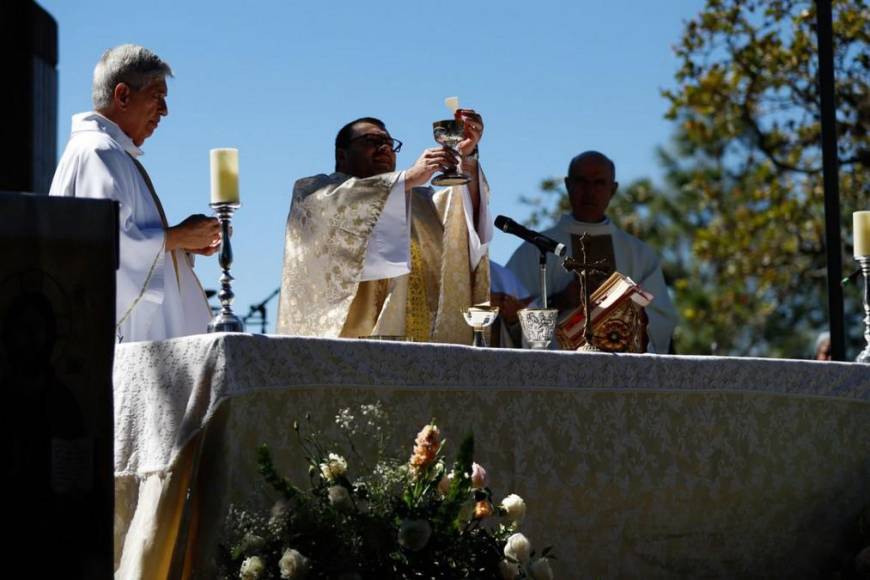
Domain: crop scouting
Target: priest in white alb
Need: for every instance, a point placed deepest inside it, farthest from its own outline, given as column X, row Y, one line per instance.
column 369, row 251
column 158, row 294
column 591, row 184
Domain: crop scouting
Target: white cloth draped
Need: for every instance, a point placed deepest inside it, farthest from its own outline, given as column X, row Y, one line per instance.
column 478, row 236
column 632, row 465
column 388, row 254
column 633, row 258
column 157, row 296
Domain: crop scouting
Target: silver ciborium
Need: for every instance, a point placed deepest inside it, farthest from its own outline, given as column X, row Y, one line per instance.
column 538, row 325
column 225, row 320
column 479, row 318
column 450, row 133
column 864, row 261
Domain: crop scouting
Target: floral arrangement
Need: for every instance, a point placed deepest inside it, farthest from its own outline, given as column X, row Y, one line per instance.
column 393, row 519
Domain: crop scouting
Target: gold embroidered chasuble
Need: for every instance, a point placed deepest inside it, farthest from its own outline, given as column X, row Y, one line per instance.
column 328, row 229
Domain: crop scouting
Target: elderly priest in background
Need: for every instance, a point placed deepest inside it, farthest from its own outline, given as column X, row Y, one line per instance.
column 591, row 184
column 158, row 294
column 368, row 252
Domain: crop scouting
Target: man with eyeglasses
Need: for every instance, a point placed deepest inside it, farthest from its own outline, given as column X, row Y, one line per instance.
column 369, row 251
column 591, row 184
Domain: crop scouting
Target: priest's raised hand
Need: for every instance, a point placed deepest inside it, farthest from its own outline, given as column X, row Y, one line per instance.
column 430, row 161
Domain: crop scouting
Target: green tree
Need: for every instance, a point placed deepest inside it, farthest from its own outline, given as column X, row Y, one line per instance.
column 740, row 218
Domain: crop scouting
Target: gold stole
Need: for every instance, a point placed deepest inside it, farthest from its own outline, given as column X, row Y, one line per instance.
column 440, row 284
column 371, row 298
column 418, row 320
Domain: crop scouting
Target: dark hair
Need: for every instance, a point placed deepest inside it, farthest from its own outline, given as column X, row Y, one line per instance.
column 342, row 139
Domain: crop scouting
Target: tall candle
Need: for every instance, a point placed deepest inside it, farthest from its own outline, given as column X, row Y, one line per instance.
column 224, row 175
column 861, row 233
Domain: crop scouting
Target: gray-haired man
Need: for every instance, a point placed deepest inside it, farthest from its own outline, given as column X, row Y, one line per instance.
column 158, row 295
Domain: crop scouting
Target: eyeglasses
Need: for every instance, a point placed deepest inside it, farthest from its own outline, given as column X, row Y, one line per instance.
column 378, row 141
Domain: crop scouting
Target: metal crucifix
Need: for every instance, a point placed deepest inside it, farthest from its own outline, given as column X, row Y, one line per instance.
column 583, row 269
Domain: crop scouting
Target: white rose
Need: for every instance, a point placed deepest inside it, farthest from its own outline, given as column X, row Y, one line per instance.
column 515, row 507
column 518, row 547
column 251, row 568
column 293, row 565
column 540, row 570
column 509, row 570
column 334, row 467
column 339, row 498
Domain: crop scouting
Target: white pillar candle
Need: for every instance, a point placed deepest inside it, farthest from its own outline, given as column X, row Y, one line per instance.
column 861, row 233
column 224, row 175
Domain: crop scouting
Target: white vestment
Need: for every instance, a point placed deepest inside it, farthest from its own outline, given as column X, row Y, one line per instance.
column 158, row 295
column 633, row 258
column 388, row 253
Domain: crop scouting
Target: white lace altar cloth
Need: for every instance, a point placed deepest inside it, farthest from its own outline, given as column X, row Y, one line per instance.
column 631, row 465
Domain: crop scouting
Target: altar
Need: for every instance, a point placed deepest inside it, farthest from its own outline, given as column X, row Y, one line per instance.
column 630, row 465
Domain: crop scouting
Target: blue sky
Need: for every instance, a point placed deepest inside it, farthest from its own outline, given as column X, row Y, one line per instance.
column 278, row 79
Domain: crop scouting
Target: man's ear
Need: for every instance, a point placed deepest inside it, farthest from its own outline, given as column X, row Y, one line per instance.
column 122, row 95
column 567, row 183
column 615, row 187
column 340, row 159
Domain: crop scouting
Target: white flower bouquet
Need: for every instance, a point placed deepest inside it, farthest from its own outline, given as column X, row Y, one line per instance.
column 396, row 519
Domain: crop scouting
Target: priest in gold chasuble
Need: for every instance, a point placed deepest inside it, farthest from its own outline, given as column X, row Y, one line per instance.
column 370, row 251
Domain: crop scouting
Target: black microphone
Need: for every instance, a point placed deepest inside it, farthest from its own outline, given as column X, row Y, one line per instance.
column 543, row 243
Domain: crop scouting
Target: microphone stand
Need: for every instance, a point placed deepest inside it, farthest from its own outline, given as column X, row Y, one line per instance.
column 543, row 277
column 261, row 309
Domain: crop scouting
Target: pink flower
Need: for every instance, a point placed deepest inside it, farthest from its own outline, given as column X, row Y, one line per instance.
column 478, row 476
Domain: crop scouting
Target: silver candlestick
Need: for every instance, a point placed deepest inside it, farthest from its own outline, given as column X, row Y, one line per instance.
column 864, row 261
column 225, row 320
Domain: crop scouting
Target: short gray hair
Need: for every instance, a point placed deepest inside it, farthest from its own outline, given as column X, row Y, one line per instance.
column 130, row 64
